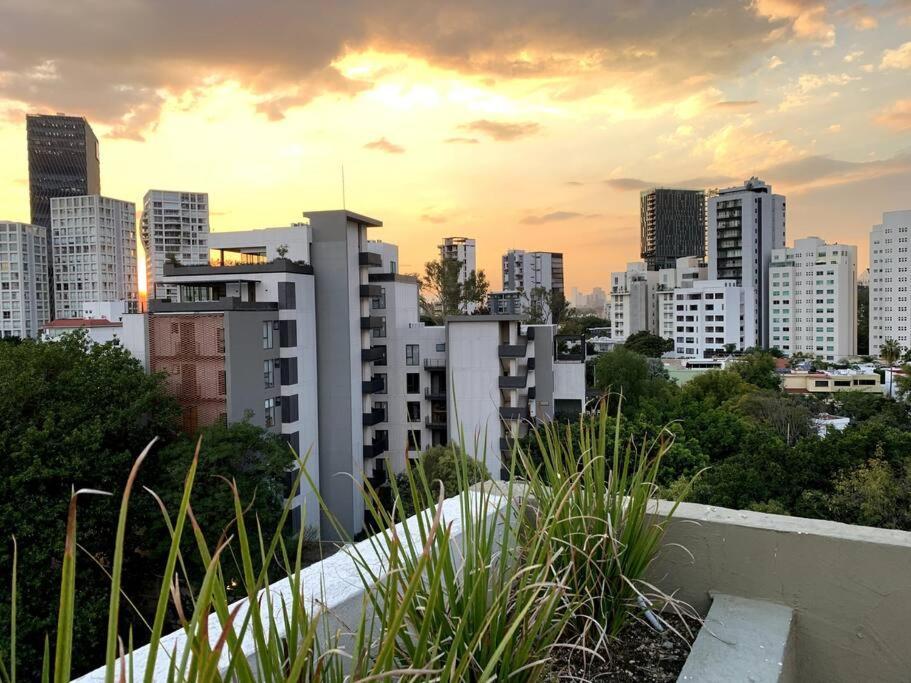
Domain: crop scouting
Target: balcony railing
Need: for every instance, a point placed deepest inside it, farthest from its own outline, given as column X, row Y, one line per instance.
column 513, row 412
column 370, row 291
column 368, row 258
column 371, row 322
column 513, row 381
column 435, row 394
column 436, row 421
column 372, row 354
column 512, row 350
column 373, row 385
column 436, row 364
column 374, row 417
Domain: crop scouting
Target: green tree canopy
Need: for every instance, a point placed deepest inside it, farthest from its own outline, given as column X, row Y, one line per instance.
column 648, row 344
column 758, row 368
column 441, row 465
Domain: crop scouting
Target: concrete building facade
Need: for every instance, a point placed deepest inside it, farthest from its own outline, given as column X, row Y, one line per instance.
column 633, row 306
column 687, row 271
column 745, row 224
column 890, row 296
column 24, row 291
column 710, row 318
column 174, row 228
column 461, row 249
column 813, row 298
column 94, row 254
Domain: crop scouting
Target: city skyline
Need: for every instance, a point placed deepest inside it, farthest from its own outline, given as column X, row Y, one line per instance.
column 436, row 114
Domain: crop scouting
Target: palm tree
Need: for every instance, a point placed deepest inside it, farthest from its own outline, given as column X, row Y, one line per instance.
column 890, row 352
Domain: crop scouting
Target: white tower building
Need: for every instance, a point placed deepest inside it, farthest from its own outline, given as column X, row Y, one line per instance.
column 94, row 258
column 24, row 305
column 175, row 226
column 890, row 296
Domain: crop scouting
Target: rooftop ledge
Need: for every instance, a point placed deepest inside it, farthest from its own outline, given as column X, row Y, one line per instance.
column 786, row 598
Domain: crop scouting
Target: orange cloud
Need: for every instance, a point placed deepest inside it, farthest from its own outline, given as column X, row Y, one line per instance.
column 383, row 145
column 897, row 116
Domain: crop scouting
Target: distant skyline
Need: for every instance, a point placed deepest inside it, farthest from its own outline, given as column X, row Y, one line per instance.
column 531, row 125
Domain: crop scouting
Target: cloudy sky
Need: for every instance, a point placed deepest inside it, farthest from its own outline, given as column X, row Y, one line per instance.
column 525, row 124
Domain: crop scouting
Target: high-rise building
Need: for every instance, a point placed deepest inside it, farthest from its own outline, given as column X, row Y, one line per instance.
column 633, row 304
column 745, row 224
column 813, row 297
column 63, row 161
column 686, row 272
column 94, row 257
column 890, row 296
column 672, row 226
column 461, row 249
column 709, row 318
column 529, row 270
column 24, row 292
column 175, row 228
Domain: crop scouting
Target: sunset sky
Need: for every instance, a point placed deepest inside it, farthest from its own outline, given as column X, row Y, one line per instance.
column 523, row 124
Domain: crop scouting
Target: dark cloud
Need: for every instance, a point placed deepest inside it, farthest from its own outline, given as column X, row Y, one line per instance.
column 635, row 184
column 823, row 170
column 557, row 216
column 383, row 145
column 462, row 141
column 111, row 60
column 502, row 130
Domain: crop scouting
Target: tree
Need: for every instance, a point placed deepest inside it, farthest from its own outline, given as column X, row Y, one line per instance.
column 758, row 368
column 75, row 415
column 648, row 344
column 623, row 371
column 560, row 309
column 904, row 383
column 441, row 283
column 581, row 324
column 282, row 250
column 790, row 419
column 873, row 494
column 890, row 352
column 475, row 289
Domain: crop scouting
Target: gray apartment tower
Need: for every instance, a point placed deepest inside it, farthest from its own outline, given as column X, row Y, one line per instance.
column 672, row 226
column 63, row 161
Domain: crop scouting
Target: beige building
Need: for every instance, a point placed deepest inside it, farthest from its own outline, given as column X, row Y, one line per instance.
column 825, row 383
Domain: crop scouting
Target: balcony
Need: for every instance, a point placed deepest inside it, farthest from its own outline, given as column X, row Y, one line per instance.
column 368, row 258
column 373, row 385
column 511, row 350
column 513, row 381
column 435, row 364
column 513, row 412
column 371, row 322
column 438, row 394
column 436, row 421
column 370, row 291
column 530, row 365
column 374, row 417
column 374, row 353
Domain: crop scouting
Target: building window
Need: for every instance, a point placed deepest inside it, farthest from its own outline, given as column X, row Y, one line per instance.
column 222, row 383
column 288, row 371
column 381, row 330
column 382, row 359
column 268, row 373
column 287, row 333
column 414, row 411
column 414, row 440
column 382, row 377
column 287, row 298
column 412, row 354
column 269, row 412
column 380, row 406
column 290, row 409
column 412, row 383
column 379, row 302
column 268, row 341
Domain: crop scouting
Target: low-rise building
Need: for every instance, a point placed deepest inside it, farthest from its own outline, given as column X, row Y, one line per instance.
column 821, row 382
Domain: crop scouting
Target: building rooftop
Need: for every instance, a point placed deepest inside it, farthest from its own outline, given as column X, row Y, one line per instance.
column 351, row 215
column 68, row 323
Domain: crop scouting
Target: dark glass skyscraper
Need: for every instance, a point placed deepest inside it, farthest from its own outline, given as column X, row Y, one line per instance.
column 672, row 226
column 62, row 162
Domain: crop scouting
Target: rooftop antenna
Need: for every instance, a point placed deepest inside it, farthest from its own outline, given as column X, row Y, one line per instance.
column 344, row 204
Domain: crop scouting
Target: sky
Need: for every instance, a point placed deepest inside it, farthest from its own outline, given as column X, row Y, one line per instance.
column 524, row 124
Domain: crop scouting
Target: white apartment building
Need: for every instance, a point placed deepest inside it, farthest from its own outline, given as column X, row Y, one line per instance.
column 813, row 298
column 528, row 270
column 890, row 296
column 709, row 318
column 24, row 294
column 461, row 249
column 174, row 227
column 745, row 224
column 633, row 300
column 94, row 258
column 688, row 270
